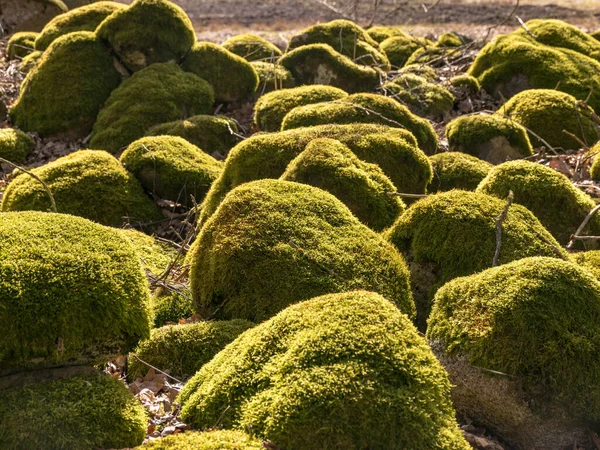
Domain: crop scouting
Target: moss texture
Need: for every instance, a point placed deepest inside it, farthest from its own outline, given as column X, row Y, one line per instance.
column 589, row 260
column 271, row 108
column 552, row 309
column 451, row 39
column 30, row 61
column 272, row 243
column 72, row 292
column 232, row 78
column 422, row 70
column 15, row 145
column 81, row 412
column 456, row 170
column 65, row 90
column 20, row 45
column 337, row 371
column 158, row 94
column 169, row 307
column 148, row 32
column 548, row 194
column 272, row 77
column 421, row 96
column 267, row 156
column 87, row 183
column 171, row 168
column 209, row 440
column 321, row 64
column 155, row 256
column 382, row 32
column 184, row 349
column 252, row 48
column 364, row 108
column 362, row 187
column 493, row 138
column 595, row 169
column 468, row 83
column 399, row 48
column 547, row 113
column 84, row 18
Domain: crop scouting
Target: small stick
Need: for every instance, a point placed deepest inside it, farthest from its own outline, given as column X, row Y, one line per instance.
column 46, row 188
column 583, row 144
column 155, row 368
column 400, row 194
column 499, row 221
column 577, row 236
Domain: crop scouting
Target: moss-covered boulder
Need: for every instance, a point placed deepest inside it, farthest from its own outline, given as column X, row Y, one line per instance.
column 158, row 94
column 312, row 378
column 465, row 83
column 548, row 194
column 272, row 77
column 492, row 137
column 380, row 33
column 452, row 39
column 15, row 145
column 29, row 15
column 252, row 48
column 271, row 108
column 394, row 150
column 184, row 349
column 72, row 292
column 364, row 108
column 453, row 234
column 63, row 93
column 20, row 45
column 272, row 243
column 321, row 64
column 590, row 260
column 232, row 78
column 420, row 95
column 214, row 135
column 84, row 411
column 595, row 169
column 209, row 440
column 30, row 61
column 399, row 48
column 84, row 18
column 155, row 256
column 148, row 32
column 547, row 113
column 362, row 187
column 521, row 343
column 456, row 170
column 87, row 183
column 169, row 307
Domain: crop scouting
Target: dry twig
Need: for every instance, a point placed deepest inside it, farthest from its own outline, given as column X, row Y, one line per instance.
column 499, row 221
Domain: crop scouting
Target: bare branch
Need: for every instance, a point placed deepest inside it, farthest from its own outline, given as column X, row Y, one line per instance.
column 31, row 174
column 577, row 235
column 499, row 221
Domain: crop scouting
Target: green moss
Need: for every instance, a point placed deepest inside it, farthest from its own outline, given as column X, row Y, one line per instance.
column 421, row 70
column 595, row 169
column 434, row 56
column 30, row 61
column 362, row 187
column 271, row 108
column 64, row 91
column 155, row 256
column 210, row 440
column 399, row 48
column 466, row 82
column 252, row 48
column 589, row 260
column 84, row 18
column 596, row 35
column 87, row 183
column 20, row 44
column 148, row 32
column 158, row 94
column 169, row 306
column 451, row 39
column 72, row 292
column 15, row 145
column 544, row 192
column 547, row 113
column 551, row 308
column 184, row 349
column 171, row 168
column 321, row 64
column 364, row 108
column 272, row 77
column 337, row 371
column 267, row 156
column 211, row 134
column 492, row 138
column 456, row 170
column 82, row 412
column 232, row 78
column 381, row 33
column 421, row 96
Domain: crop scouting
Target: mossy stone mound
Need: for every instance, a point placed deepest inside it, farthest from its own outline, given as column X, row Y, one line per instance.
column 456, row 170
column 380, row 33
column 492, row 137
column 81, row 412
column 547, row 113
column 312, row 378
column 148, row 32
column 157, row 94
column 452, row 39
column 20, row 44
column 589, row 260
column 422, row 70
column 537, row 321
column 208, row 440
column 272, row 77
column 465, row 83
column 272, row 243
column 232, row 78
column 214, row 135
column 399, row 48
column 155, row 256
column 30, row 61
column 321, row 64
column 548, row 194
column 362, row 187
column 421, row 96
column 364, row 108
column 183, row 349
column 72, row 292
column 171, row 168
column 271, row 108
column 252, row 48
column 84, row 18
column 87, row 183
column 15, row 145
column 168, row 307
column 595, row 169
column 63, row 93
